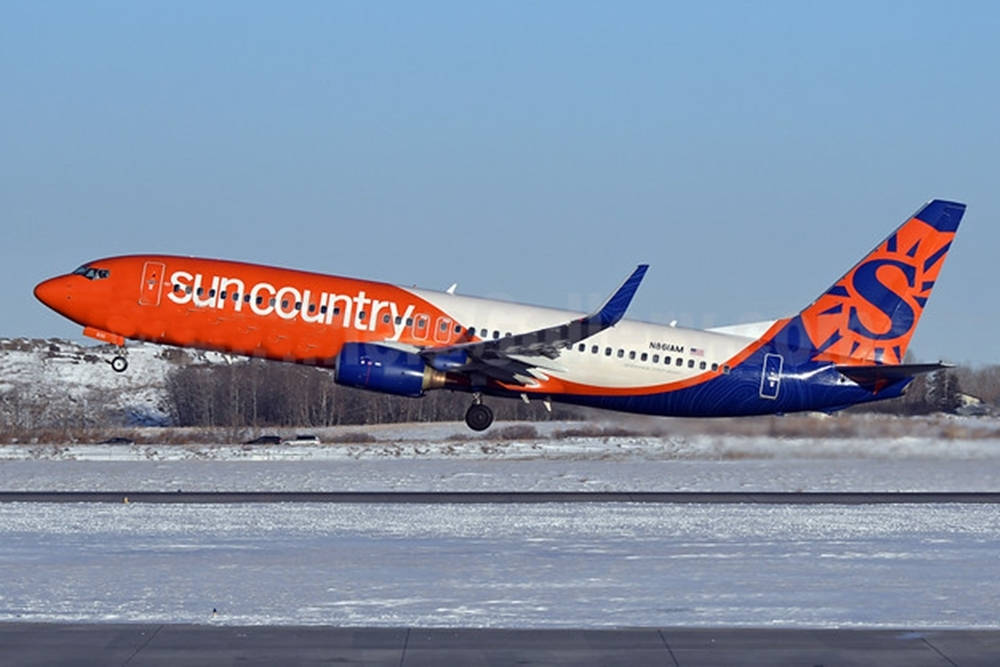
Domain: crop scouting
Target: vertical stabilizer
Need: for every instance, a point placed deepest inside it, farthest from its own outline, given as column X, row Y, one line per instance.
column 870, row 314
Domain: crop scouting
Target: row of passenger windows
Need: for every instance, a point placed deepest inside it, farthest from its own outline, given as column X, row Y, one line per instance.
column 654, row 358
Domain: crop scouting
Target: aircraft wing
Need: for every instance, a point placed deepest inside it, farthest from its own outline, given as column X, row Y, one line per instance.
column 521, row 358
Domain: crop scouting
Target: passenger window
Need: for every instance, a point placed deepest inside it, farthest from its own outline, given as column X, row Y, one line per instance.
column 621, row 353
column 177, row 289
column 666, row 360
column 656, row 358
column 593, row 349
column 260, row 300
column 725, row 370
column 398, row 319
column 581, row 347
column 322, row 309
column 201, row 290
column 284, row 303
column 680, row 362
column 336, row 310
column 298, row 305
column 223, row 295
column 690, row 363
column 361, row 316
column 496, row 334
column 702, row 365
column 631, row 354
column 211, row 293
column 312, row 307
column 643, row 357
column 272, row 301
column 607, row 352
column 409, row 321
column 420, row 327
column 715, row 367
column 386, row 318
column 444, row 326
column 458, row 328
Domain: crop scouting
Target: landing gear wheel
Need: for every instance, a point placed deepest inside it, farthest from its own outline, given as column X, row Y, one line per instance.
column 119, row 364
column 479, row 417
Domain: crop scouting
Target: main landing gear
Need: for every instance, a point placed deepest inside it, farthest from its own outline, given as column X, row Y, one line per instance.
column 478, row 417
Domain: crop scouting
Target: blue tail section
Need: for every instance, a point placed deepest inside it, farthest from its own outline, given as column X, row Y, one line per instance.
column 826, row 357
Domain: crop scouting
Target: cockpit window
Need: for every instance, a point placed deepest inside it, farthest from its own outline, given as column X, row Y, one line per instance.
column 92, row 272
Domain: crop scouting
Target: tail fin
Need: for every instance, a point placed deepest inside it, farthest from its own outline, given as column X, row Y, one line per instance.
column 870, row 314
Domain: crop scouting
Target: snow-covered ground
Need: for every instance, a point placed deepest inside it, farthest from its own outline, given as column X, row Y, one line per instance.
column 502, row 475
column 467, row 447
column 554, row 565
column 77, row 379
column 546, row 565
column 445, row 457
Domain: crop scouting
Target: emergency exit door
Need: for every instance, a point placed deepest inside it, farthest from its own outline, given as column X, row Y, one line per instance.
column 770, row 378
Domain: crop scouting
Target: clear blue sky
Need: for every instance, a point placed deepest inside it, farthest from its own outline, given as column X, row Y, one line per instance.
column 751, row 152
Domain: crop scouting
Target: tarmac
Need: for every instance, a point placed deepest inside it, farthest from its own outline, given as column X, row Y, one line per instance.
column 476, row 497
column 182, row 645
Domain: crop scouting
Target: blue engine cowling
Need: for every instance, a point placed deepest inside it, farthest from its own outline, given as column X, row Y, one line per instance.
column 384, row 369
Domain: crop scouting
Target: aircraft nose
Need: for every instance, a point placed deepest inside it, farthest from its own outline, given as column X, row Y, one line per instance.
column 53, row 292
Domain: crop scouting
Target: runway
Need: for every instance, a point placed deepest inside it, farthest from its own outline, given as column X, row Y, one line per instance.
column 479, row 498
column 180, row 645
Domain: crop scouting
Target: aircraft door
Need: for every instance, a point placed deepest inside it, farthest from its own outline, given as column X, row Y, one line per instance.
column 770, row 378
column 152, row 279
column 442, row 332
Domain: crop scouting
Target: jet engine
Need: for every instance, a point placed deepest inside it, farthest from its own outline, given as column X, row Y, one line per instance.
column 385, row 369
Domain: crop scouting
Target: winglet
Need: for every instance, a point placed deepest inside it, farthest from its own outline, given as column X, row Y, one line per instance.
column 614, row 308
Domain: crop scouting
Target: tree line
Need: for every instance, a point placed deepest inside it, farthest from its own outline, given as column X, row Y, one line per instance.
column 258, row 393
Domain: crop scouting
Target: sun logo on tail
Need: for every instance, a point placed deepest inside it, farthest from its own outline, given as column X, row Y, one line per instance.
column 870, row 314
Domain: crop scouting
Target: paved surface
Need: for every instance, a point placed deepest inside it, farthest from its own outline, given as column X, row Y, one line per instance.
column 407, row 497
column 180, row 645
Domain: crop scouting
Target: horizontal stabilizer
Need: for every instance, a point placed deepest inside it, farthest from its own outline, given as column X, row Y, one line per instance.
column 877, row 377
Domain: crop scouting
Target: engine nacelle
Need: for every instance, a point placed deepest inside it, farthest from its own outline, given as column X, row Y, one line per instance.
column 384, row 369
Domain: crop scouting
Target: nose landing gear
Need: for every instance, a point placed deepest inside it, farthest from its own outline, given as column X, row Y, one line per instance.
column 119, row 364
column 478, row 417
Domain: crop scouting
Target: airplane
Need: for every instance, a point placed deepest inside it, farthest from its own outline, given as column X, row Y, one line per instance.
column 846, row 347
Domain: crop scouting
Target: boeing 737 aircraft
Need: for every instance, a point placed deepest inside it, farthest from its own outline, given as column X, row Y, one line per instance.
column 844, row 348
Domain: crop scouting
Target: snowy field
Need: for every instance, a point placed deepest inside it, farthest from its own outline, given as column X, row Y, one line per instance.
column 553, row 565
column 546, row 565
column 502, row 475
column 444, row 457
